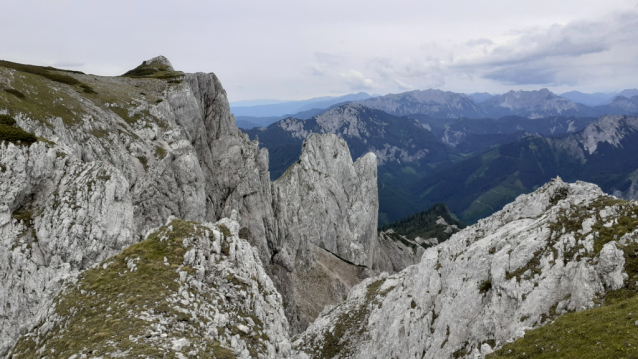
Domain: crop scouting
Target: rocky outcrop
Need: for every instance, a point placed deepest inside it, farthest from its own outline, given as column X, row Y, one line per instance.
column 327, row 201
column 396, row 252
column 58, row 216
column 189, row 289
column 118, row 156
column 556, row 250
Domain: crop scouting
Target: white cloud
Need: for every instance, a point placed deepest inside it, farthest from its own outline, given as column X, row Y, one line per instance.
column 357, row 81
column 403, row 85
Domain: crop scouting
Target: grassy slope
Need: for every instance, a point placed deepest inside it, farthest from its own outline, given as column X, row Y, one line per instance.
column 605, row 332
column 45, row 98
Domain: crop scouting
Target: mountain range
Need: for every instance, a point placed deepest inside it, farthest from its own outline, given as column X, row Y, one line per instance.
column 450, row 105
column 290, row 107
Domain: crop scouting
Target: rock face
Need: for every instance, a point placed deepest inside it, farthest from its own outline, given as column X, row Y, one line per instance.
column 550, row 252
column 159, row 62
column 189, row 289
column 338, row 195
column 532, row 104
column 327, row 201
column 118, row 156
column 58, row 216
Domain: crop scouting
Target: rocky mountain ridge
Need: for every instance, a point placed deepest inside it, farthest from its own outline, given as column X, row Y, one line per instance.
column 118, row 156
column 602, row 153
column 529, row 104
column 554, row 251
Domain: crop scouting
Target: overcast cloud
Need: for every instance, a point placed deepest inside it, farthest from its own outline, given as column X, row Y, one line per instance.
column 288, row 49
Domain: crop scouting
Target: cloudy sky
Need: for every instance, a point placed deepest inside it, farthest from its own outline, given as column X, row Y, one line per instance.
column 281, row 49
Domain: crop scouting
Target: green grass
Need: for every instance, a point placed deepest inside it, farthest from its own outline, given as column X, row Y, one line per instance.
column 7, row 120
column 608, row 331
column 154, row 70
column 41, row 71
column 43, row 101
column 604, row 332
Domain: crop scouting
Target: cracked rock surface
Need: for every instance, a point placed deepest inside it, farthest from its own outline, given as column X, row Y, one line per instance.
column 553, row 251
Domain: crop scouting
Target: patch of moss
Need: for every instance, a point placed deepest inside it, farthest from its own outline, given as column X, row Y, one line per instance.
column 245, row 233
column 532, row 265
column 225, row 231
column 16, row 135
column 154, row 70
column 124, row 114
column 160, row 152
column 222, row 353
column 7, row 120
column 144, row 161
column 350, row 326
column 88, row 89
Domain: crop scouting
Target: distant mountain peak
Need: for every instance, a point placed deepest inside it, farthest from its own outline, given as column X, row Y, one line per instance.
column 533, row 104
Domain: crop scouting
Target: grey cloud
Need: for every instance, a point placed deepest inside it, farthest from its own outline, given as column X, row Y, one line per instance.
column 479, row 42
column 523, row 75
column 555, row 54
column 323, row 63
column 402, row 85
column 329, row 59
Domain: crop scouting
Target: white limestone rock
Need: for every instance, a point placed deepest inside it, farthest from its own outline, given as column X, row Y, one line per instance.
column 71, row 216
column 327, row 200
column 512, row 271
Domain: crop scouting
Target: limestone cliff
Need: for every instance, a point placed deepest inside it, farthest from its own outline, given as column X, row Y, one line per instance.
column 58, row 216
column 118, row 156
